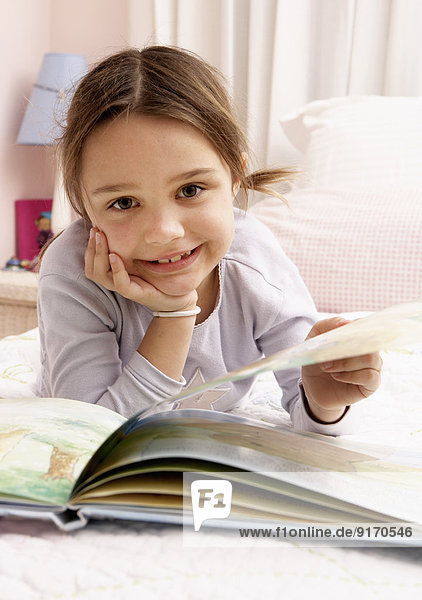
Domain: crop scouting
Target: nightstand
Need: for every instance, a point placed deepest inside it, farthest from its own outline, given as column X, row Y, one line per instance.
column 18, row 301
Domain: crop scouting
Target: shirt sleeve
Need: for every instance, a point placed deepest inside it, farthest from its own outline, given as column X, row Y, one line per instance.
column 80, row 353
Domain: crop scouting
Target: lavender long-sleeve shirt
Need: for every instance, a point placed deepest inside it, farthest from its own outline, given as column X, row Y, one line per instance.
column 90, row 335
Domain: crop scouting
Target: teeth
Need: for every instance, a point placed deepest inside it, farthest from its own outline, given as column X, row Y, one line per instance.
column 175, row 258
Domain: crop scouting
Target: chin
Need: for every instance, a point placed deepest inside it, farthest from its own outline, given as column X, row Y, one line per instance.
column 175, row 290
column 173, row 286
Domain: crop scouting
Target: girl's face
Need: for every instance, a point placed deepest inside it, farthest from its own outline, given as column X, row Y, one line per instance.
column 163, row 196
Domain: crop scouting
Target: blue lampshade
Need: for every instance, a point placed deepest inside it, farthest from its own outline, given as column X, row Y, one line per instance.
column 50, row 98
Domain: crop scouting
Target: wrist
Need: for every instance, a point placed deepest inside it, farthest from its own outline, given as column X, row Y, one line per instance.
column 325, row 416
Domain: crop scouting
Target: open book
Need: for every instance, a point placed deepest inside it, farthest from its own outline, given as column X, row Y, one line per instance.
column 71, row 461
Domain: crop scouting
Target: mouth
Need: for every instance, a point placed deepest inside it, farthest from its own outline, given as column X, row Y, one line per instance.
column 173, row 259
column 173, row 263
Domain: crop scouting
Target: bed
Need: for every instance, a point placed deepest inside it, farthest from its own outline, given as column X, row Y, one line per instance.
column 352, row 226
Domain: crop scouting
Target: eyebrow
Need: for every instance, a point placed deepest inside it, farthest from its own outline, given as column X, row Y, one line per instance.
column 121, row 187
column 193, row 173
column 114, row 188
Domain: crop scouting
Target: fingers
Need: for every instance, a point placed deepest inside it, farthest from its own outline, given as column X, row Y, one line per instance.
column 326, row 325
column 364, row 372
column 356, row 363
column 97, row 262
column 104, row 267
column 90, row 255
column 121, row 278
column 366, row 379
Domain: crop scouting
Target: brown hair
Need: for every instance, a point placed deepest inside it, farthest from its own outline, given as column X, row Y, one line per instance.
column 159, row 81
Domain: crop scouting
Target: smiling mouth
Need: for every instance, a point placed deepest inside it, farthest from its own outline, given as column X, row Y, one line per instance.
column 174, row 259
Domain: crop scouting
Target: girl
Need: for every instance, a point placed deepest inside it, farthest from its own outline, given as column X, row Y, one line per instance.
column 161, row 283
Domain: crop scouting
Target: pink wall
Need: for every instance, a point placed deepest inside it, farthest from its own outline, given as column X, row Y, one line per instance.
column 91, row 27
column 28, row 29
column 24, row 172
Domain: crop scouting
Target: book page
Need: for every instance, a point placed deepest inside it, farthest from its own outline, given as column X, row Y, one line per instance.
column 393, row 328
column 44, row 445
column 318, row 465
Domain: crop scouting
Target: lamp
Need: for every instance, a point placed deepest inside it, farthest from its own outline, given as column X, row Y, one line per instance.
column 46, row 111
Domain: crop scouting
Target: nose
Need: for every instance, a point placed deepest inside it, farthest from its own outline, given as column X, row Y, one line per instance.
column 162, row 226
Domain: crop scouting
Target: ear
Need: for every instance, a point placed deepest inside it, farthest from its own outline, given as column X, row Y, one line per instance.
column 236, row 186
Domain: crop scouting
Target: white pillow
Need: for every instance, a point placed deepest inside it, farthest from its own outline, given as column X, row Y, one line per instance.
column 356, row 250
column 357, row 141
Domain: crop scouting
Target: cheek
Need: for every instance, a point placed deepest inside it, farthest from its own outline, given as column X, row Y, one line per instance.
column 220, row 224
column 120, row 239
column 228, row 236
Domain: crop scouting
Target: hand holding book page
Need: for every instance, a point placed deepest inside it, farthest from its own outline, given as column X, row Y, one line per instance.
column 393, row 328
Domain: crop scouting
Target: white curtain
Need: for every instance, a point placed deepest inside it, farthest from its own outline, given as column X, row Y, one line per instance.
column 280, row 54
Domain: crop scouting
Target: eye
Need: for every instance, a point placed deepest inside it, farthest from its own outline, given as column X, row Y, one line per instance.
column 123, row 203
column 189, row 191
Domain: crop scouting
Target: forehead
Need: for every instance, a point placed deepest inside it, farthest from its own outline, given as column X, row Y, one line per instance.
column 155, row 144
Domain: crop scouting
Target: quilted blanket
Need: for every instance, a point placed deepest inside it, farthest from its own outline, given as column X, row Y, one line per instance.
column 112, row 561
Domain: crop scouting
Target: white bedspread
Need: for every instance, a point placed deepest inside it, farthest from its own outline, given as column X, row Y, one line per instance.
column 129, row 560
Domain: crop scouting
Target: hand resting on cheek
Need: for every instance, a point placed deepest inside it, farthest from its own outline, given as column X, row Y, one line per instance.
column 109, row 271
